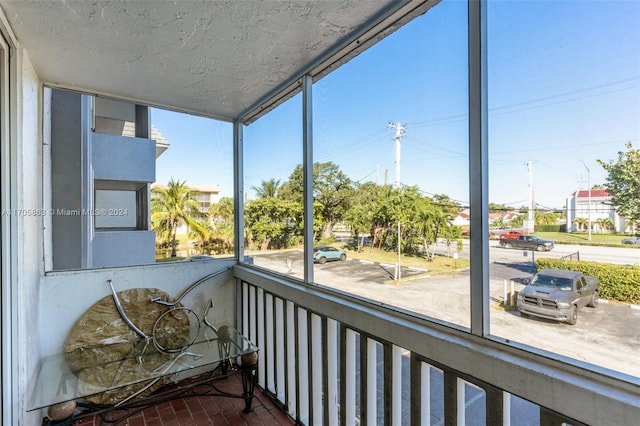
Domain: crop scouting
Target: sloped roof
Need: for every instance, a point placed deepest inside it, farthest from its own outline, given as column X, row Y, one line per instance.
column 595, row 193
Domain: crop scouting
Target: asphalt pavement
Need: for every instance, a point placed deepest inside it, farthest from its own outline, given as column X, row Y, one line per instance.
column 607, row 336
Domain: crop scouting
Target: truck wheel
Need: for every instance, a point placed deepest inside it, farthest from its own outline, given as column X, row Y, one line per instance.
column 540, row 248
column 595, row 298
column 507, row 245
column 572, row 319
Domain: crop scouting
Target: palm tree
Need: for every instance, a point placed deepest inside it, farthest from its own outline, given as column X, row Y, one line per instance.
column 517, row 221
column 268, row 188
column 605, row 224
column 172, row 206
column 201, row 233
column 581, row 222
column 221, row 220
column 432, row 222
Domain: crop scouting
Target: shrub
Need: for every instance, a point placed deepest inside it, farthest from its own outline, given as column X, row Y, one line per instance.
column 617, row 282
column 550, row 228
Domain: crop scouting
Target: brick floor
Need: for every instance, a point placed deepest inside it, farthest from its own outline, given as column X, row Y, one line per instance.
column 206, row 410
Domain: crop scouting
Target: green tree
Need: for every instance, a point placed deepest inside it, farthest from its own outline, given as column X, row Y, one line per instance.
column 202, row 233
column 221, row 234
column 172, row 206
column 433, row 222
column 623, row 182
column 359, row 219
column 493, row 207
column 272, row 222
column 222, row 211
column 267, row 188
column 604, row 224
column 332, row 194
column 548, row 218
column 581, row 222
column 446, row 203
column 517, row 221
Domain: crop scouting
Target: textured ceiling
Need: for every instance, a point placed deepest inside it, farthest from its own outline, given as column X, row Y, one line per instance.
column 209, row 57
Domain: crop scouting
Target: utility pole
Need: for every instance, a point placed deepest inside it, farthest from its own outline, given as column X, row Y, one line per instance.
column 588, row 200
column 398, row 138
column 530, row 227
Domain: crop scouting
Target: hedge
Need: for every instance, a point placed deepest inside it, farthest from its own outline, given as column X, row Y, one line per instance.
column 617, row 282
column 550, row 228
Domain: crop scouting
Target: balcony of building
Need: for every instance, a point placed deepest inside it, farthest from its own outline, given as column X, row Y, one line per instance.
column 330, row 353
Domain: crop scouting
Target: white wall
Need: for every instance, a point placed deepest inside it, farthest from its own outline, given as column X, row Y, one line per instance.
column 46, row 306
column 29, row 251
column 49, row 304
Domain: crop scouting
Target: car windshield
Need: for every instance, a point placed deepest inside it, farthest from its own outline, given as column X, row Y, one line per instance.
column 550, row 281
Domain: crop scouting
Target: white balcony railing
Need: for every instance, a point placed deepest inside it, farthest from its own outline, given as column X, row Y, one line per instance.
column 331, row 359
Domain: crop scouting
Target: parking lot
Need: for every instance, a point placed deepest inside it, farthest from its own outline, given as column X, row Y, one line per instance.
column 607, row 336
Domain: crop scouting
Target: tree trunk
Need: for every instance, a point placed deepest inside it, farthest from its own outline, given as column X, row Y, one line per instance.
column 435, row 241
column 328, row 230
column 174, row 243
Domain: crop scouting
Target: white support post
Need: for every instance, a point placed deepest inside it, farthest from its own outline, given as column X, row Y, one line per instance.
column 397, row 385
column 478, row 165
column 460, row 403
column 238, row 189
column 280, row 350
column 316, row 369
column 506, row 409
column 350, row 378
column 303, row 366
column 425, row 394
column 332, row 371
column 292, row 384
column 260, row 341
column 269, row 348
column 372, row 380
column 307, row 170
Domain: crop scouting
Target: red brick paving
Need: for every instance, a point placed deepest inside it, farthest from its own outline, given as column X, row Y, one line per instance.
column 207, row 410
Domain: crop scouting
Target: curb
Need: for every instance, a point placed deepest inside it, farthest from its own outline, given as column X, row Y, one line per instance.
column 636, row 307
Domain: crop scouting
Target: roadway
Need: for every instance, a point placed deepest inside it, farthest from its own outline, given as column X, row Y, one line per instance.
column 617, row 255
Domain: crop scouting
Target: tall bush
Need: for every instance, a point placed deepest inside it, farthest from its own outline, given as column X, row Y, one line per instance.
column 617, row 282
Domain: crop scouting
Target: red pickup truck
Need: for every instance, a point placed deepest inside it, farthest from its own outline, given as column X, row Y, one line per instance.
column 511, row 234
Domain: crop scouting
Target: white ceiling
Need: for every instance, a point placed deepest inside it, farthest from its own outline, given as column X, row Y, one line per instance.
column 216, row 58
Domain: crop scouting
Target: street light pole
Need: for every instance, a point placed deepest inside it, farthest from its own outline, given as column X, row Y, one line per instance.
column 588, row 200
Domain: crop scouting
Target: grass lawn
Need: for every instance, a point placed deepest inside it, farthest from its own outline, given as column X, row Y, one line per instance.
column 582, row 238
column 440, row 264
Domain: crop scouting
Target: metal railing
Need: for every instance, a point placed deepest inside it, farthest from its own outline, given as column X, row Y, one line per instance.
column 326, row 370
column 572, row 256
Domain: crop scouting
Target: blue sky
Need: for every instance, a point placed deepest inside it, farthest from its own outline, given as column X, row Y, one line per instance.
column 564, row 88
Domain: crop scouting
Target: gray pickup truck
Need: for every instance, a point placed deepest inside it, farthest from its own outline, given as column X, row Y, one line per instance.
column 558, row 294
column 527, row 242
